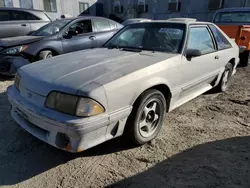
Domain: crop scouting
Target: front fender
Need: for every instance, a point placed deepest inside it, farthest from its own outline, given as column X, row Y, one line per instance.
column 35, row 48
column 150, row 84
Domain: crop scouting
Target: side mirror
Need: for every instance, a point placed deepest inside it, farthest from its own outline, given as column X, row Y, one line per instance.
column 69, row 34
column 192, row 53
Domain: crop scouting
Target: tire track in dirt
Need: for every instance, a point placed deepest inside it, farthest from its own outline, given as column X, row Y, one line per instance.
column 88, row 168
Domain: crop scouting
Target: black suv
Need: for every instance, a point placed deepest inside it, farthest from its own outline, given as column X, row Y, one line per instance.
column 19, row 22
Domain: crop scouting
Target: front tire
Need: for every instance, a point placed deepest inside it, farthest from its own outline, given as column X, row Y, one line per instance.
column 46, row 54
column 147, row 117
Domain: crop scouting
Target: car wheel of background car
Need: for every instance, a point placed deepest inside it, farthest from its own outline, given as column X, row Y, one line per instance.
column 244, row 58
column 225, row 79
column 45, row 55
column 147, row 117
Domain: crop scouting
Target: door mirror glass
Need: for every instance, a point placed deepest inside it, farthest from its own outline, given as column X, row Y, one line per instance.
column 192, row 53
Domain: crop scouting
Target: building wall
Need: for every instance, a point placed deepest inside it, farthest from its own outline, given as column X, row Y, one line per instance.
column 70, row 7
column 158, row 9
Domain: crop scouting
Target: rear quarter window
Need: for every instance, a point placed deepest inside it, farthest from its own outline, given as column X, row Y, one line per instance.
column 221, row 40
column 43, row 16
column 29, row 16
column 102, row 25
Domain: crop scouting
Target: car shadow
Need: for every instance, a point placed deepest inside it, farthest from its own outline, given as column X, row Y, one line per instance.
column 223, row 163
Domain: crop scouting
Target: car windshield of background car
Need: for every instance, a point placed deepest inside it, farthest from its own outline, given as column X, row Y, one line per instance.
column 233, row 17
column 51, row 28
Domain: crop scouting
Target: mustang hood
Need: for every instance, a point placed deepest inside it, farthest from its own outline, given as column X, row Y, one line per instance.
column 16, row 41
column 70, row 72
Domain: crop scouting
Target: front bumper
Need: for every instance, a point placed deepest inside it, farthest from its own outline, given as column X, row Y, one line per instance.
column 73, row 136
column 10, row 64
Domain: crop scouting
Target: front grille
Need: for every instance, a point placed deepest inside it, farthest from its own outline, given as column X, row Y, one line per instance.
column 5, row 67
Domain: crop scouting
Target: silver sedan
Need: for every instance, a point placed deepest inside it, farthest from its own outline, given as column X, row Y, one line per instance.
column 79, row 100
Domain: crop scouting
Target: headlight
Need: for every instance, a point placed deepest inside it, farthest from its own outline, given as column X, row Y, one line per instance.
column 14, row 50
column 17, row 80
column 73, row 105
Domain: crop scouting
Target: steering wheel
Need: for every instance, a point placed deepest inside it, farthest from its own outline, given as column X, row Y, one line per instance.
column 172, row 46
column 123, row 43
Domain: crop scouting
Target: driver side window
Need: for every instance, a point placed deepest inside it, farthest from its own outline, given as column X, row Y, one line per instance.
column 81, row 27
column 200, row 39
column 131, row 37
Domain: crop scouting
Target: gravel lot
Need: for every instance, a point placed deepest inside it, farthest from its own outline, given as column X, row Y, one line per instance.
column 204, row 143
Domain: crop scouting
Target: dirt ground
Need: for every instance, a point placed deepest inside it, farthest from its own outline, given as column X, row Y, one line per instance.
column 204, row 143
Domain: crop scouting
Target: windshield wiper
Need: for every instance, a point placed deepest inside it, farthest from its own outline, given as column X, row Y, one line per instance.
column 131, row 49
column 113, row 46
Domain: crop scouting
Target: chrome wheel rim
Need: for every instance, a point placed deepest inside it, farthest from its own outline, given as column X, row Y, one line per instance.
column 225, row 79
column 49, row 56
column 149, row 118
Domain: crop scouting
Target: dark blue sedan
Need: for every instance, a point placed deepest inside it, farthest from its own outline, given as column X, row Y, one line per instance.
column 59, row 37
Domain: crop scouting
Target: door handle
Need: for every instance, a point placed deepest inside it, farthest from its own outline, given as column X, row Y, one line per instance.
column 92, row 37
column 217, row 57
column 24, row 25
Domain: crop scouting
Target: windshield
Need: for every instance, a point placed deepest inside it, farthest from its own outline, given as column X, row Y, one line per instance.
column 51, row 28
column 232, row 17
column 164, row 37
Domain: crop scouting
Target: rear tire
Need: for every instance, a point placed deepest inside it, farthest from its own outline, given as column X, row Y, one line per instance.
column 46, row 54
column 225, row 79
column 244, row 58
column 147, row 117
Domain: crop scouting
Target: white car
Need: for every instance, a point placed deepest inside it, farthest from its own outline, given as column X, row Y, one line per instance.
column 79, row 100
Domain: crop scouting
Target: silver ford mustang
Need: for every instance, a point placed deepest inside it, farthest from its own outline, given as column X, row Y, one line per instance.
column 79, row 100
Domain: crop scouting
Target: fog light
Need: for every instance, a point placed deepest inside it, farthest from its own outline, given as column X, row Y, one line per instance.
column 62, row 140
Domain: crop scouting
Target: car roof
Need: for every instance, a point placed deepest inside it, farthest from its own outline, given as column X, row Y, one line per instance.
column 138, row 19
column 186, row 21
column 235, row 9
column 20, row 9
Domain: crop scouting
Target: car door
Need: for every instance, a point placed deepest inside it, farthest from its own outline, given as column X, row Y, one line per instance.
column 20, row 24
column 223, row 45
column 104, row 30
column 84, row 38
column 200, row 71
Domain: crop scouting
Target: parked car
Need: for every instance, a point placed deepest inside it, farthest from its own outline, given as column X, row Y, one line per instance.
column 58, row 37
column 79, row 100
column 19, row 22
column 135, row 20
column 235, row 22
